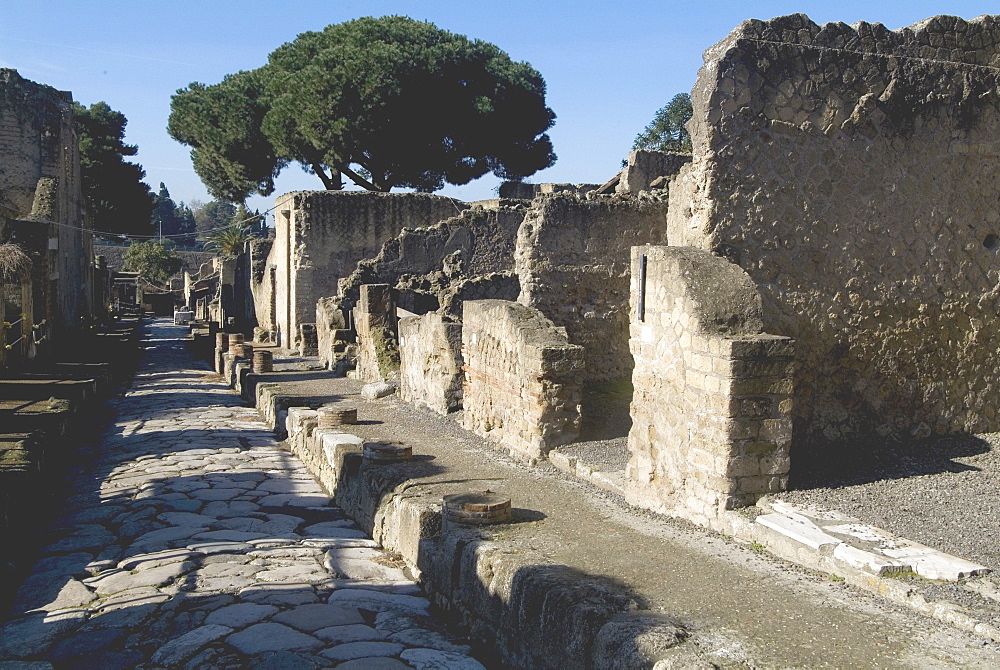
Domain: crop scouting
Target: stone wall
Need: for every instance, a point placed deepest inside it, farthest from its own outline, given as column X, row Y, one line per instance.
column 476, row 242
column 711, row 409
column 41, row 206
column 851, row 171
column 430, row 362
column 320, row 236
column 572, row 261
column 375, row 325
column 523, row 379
column 646, row 169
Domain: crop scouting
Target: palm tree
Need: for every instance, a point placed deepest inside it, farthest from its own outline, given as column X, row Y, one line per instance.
column 228, row 241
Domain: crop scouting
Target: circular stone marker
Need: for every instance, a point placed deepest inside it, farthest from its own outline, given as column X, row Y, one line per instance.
column 385, row 452
column 477, row 507
column 331, row 416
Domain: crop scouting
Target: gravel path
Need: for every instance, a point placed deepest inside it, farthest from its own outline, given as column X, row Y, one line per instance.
column 193, row 541
column 942, row 492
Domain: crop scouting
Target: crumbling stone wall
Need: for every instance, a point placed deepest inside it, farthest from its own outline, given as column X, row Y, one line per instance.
column 711, row 408
column 430, row 362
column 646, row 169
column 320, row 236
column 375, row 323
column 572, row 261
column 851, row 171
column 523, row 379
column 41, row 207
column 429, row 260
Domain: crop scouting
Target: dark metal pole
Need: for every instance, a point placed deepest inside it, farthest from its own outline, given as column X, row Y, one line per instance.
column 642, row 287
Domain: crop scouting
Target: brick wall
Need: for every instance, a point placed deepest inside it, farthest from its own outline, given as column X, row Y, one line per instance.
column 711, row 410
column 523, row 379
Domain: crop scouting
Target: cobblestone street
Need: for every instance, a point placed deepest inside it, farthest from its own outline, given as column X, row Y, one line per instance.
column 192, row 540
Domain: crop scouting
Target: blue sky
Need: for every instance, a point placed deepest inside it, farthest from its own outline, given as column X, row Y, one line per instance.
column 608, row 65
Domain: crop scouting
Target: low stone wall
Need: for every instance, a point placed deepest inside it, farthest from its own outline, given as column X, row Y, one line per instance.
column 572, row 260
column 711, row 410
column 430, row 362
column 530, row 612
column 523, row 379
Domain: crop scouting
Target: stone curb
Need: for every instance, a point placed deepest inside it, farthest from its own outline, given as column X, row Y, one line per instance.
column 797, row 535
column 530, row 611
column 790, row 533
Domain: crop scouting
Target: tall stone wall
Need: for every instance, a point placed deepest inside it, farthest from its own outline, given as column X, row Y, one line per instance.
column 320, row 236
column 41, row 206
column 572, row 261
column 523, row 379
column 851, row 171
column 711, row 408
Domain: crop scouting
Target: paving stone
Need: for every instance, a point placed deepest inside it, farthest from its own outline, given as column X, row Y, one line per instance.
column 72, row 595
column 292, row 573
column 241, row 615
column 370, row 663
column 420, row 637
column 401, row 587
column 157, row 558
column 209, row 548
column 280, row 594
column 115, row 659
column 184, row 647
column 272, row 637
column 145, row 595
column 290, row 486
column 186, row 519
column 378, row 602
column 33, row 635
column 286, row 660
column 356, row 632
column 355, row 650
column 313, row 617
column 214, row 494
column 69, row 564
column 25, row 665
column 159, row 539
column 228, row 536
column 86, row 537
column 79, row 645
column 124, row 580
column 432, row 659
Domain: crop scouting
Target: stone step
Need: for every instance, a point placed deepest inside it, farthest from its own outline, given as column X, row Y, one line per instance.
column 839, row 539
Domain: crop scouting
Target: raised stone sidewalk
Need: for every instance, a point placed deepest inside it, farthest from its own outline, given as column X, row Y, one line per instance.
column 193, row 541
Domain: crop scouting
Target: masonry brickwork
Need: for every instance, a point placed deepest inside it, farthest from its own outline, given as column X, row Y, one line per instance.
column 711, row 410
column 572, row 262
column 430, row 362
column 41, row 206
column 851, row 172
column 523, row 379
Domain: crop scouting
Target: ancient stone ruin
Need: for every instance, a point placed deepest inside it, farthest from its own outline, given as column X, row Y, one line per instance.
column 849, row 171
column 819, row 270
